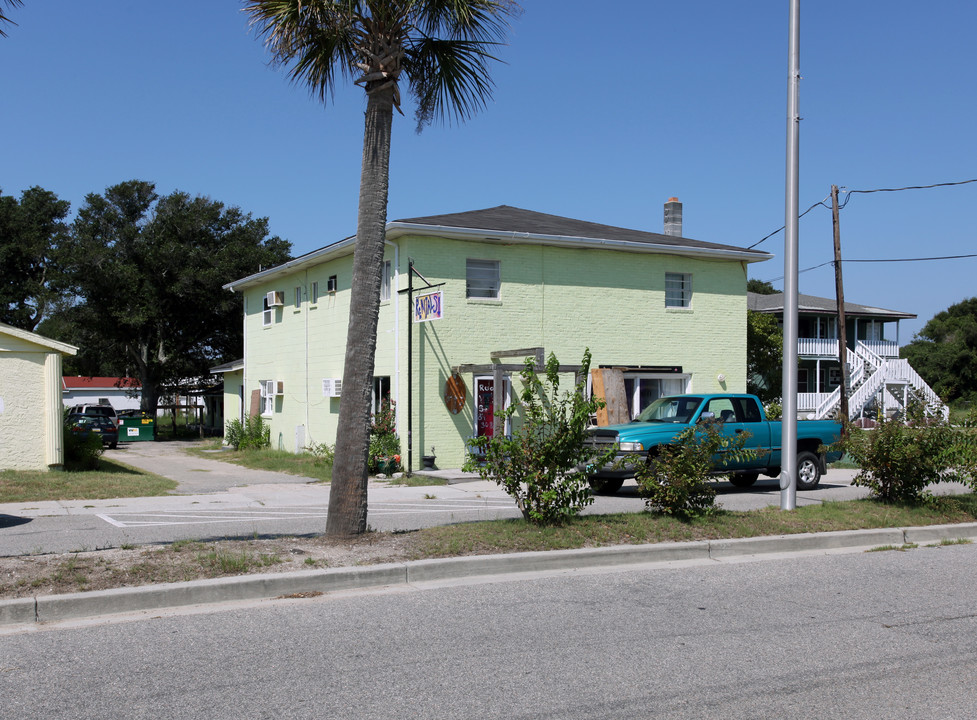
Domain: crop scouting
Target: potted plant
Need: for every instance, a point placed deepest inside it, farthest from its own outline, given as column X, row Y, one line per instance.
column 428, row 460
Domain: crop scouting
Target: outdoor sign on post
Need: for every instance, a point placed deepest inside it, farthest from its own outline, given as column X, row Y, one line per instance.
column 428, row 307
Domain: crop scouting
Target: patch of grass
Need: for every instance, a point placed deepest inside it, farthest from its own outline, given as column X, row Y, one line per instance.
column 302, row 464
column 110, row 480
column 956, row 541
column 417, row 481
column 646, row 527
column 899, row 548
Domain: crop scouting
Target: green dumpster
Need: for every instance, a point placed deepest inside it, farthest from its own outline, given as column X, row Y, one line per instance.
column 134, row 429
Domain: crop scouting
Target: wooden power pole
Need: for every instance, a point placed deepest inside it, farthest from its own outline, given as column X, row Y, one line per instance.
column 840, row 294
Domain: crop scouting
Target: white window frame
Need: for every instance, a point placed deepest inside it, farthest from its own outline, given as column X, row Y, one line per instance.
column 267, row 312
column 487, row 279
column 385, row 282
column 684, row 289
column 314, row 293
column 634, row 401
column 298, row 297
column 267, row 397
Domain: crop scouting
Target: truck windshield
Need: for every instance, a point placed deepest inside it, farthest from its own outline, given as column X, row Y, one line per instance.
column 677, row 409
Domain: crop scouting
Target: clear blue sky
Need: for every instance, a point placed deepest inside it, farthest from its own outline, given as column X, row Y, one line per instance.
column 597, row 115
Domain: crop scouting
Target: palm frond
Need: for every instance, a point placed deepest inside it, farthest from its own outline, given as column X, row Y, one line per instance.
column 4, row 18
column 448, row 78
column 314, row 39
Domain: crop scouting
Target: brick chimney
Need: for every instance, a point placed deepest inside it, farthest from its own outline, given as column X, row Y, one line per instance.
column 673, row 217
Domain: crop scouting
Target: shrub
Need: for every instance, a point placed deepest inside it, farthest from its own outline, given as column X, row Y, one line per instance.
column 81, row 453
column 253, row 433
column 676, row 481
column 900, row 458
column 538, row 465
column 322, row 454
column 384, row 443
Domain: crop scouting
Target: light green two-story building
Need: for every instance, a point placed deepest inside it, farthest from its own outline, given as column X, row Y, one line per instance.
column 659, row 312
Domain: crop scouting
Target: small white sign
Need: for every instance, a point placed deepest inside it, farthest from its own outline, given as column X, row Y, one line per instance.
column 133, row 432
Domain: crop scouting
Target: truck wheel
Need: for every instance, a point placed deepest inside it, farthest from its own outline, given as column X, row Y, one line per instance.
column 743, row 479
column 808, row 470
column 605, row 486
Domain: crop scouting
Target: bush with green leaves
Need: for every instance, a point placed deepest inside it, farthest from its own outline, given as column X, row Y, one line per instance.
column 252, row 434
column 676, row 479
column 384, row 443
column 539, row 465
column 900, row 458
column 322, row 454
column 81, row 453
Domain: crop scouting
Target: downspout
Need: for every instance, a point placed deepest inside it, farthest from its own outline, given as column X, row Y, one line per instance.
column 244, row 371
column 308, row 434
column 395, row 299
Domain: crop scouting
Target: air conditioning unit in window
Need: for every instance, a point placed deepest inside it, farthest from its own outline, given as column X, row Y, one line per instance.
column 332, row 387
column 276, row 298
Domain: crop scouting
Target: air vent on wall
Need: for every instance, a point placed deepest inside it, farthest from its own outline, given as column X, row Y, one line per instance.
column 332, row 387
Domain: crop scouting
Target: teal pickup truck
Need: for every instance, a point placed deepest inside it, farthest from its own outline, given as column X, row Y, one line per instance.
column 660, row 422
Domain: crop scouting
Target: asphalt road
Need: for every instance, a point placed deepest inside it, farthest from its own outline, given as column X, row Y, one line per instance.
column 858, row 636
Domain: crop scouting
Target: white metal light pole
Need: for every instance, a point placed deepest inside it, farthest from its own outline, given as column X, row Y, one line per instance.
column 788, row 453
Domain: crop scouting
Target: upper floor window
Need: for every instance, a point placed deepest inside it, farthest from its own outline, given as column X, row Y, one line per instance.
column 266, row 312
column 298, row 297
column 314, row 292
column 483, row 278
column 678, row 290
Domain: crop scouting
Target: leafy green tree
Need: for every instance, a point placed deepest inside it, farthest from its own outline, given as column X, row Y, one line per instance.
column 944, row 352
column 761, row 287
column 764, row 355
column 441, row 48
column 149, row 273
column 31, row 232
column 540, row 465
column 4, row 18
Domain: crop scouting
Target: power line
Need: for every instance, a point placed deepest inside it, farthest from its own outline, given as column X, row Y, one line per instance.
column 881, row 260
column 849, row 193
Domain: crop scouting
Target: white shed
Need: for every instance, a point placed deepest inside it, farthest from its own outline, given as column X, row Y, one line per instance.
column 31, row 434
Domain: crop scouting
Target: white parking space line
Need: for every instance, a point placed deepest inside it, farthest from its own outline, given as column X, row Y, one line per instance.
column 203, row 517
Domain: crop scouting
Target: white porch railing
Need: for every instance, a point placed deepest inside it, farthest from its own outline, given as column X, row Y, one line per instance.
column 827, row 347
column 818, row 347
column 882, row 348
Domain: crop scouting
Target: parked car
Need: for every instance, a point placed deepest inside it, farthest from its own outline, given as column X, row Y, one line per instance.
column 100, row 410
column 84, row 425
column 660, row 422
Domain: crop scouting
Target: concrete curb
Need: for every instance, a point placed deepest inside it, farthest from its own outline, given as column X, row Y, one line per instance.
column 54, row 608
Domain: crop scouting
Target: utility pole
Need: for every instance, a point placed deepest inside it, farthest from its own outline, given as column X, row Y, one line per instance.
column 788, row 454
column 840, row 295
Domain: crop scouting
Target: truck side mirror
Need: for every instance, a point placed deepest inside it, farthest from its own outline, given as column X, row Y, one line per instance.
column 707, row 416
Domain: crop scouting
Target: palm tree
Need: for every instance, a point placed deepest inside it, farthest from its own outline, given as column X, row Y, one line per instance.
column 442, row 49
column 4, row 18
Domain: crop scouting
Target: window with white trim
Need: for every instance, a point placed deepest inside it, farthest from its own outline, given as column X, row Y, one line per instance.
column 298, row 297
column 267, row 397
column 642, row 389
column 678, row 290
column 267, row 313
column 385, row 282
column 483, row 278
column 314, row 292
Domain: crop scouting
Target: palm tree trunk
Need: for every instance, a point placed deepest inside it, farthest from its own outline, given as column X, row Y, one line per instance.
column 347, row 495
